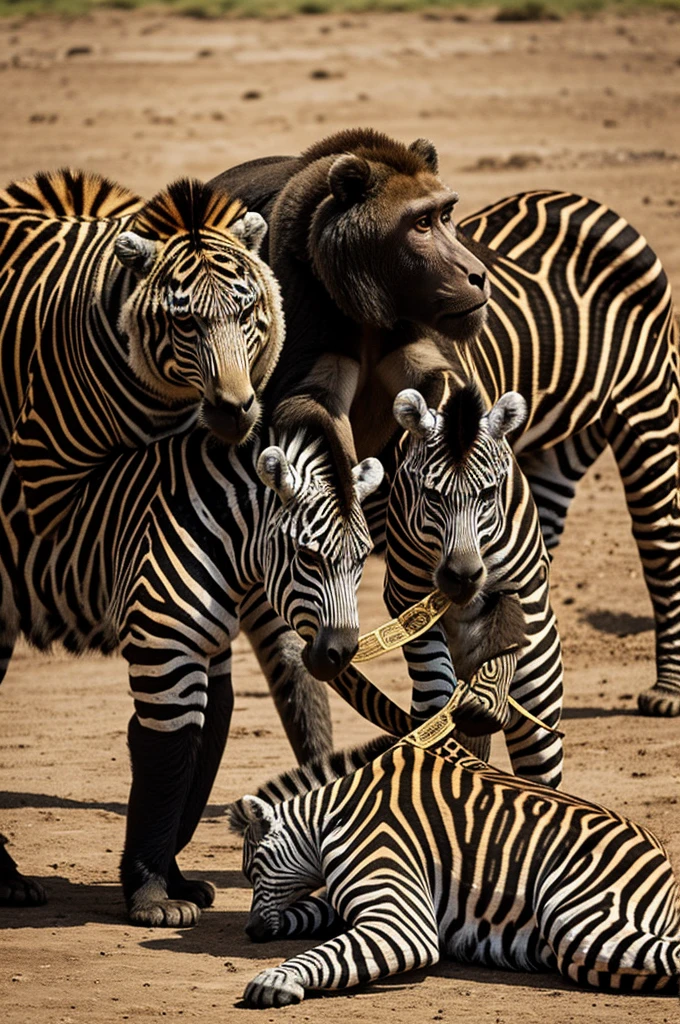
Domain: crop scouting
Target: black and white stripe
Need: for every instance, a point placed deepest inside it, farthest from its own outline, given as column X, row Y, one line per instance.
column 117, row 317
column 461, row 517
column 430, row 852
column 170, row 549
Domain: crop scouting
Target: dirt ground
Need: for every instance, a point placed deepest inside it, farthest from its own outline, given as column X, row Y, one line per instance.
column 586, row 105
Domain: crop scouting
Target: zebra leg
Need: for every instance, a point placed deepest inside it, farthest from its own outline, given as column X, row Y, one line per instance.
column 646, row 448
column 553, row 474
column 170, row 690
column 15, row 889
column 301, row 701
column 391, row 937
column 212, row 743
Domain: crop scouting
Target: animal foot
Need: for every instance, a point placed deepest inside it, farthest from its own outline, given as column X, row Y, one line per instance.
column 273, row 987
column 15, row 889
column 662, row 701
column 21, row 892
column 165, row 914
column 192, row 891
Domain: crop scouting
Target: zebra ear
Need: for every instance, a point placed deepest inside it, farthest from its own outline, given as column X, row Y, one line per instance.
column 274, row 470
column 367, row 476
column 250, row 229
column 411, row 412
column 509, row 412
column 258, row 813
column 135, row 252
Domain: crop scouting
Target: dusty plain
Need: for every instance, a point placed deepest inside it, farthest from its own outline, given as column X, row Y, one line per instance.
column 589, row 105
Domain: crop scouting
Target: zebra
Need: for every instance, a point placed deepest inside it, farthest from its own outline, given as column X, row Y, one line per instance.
column 173, row 548
column 121, row 321
column 426, row 851
column 580, row 323
column 461, row 516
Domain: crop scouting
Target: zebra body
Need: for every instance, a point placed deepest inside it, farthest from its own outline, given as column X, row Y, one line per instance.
column 426, row 853
column 173, row 547
column 461, row 517
column 117, row 317
column 581, row 324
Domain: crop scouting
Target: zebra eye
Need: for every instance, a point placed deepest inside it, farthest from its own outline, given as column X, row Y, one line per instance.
column 310, row 559
column 487, row 496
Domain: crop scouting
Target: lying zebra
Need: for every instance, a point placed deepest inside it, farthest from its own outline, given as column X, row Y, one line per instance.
column 175, row 547
column 430, row 852
column 118, row 319
column 461, row 517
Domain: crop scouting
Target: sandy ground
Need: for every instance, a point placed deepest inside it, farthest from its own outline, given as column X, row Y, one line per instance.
column 585, row 105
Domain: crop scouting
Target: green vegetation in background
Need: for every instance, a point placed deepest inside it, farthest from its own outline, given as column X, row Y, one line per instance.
column 506, row 10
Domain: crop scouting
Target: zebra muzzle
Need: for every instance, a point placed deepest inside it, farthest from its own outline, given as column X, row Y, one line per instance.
column 230, row 421
column 258, row 930
column 330, row 652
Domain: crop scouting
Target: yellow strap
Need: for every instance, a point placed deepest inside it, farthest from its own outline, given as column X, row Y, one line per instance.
column 408, row 626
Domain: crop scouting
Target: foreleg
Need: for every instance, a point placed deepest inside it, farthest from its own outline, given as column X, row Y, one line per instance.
column 301, row 701
column 396, row 933
column 212, row 743
column 164, row 736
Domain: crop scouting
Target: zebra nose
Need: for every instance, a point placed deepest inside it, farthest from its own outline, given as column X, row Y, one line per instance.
column 257, row 928
column 231, row 421
column 330, row 652
column 460, row 584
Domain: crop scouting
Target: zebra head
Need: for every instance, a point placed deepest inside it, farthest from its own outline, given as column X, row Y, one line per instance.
column 316, row 544
column 451, row 501
column 280, row 866
column 204, row 319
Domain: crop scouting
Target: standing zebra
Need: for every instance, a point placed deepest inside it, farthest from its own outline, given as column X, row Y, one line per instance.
column 172, row 548
column 427, row 851
column 116, row 317
column 580, row 323
column 461, row 517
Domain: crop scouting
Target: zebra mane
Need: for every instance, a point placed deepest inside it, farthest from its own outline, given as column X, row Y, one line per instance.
column 187, row 206
column 369, row 144
column 68, row 193
column 462, row 415
column 312, row 775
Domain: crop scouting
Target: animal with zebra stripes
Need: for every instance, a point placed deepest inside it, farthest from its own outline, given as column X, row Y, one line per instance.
column 461, row 517
column 426, row 851
column 580, row 323
column 119, row 319
column 174, row 548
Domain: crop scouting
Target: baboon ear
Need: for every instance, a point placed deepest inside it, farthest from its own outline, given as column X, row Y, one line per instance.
column 135, row 252
column 509, row 412
column 349, row 179
column 275, row 471
column 411, row 412
column 367, row 476
column 258, row 813
column 427, row 152
column 250, row 229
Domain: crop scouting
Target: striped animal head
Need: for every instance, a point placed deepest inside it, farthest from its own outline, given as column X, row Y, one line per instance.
column 280, row 860
column 450, row 512
column 316, row 548
column 205, row 318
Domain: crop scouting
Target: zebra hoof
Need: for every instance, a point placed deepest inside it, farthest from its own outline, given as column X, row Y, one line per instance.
column 660, row 701
column 19, row 891
column 273, row 987
column 188, row 890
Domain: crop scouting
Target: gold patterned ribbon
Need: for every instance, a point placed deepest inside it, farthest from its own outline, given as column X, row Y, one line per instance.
column 410, row 625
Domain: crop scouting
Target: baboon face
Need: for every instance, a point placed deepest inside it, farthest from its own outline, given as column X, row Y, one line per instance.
column 384, row 243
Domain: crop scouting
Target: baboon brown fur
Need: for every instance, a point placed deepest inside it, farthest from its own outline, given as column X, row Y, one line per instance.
column 363, row 244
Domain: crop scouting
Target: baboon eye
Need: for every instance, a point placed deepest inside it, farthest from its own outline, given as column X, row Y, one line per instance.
column 447, row 214
column 424, row 224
